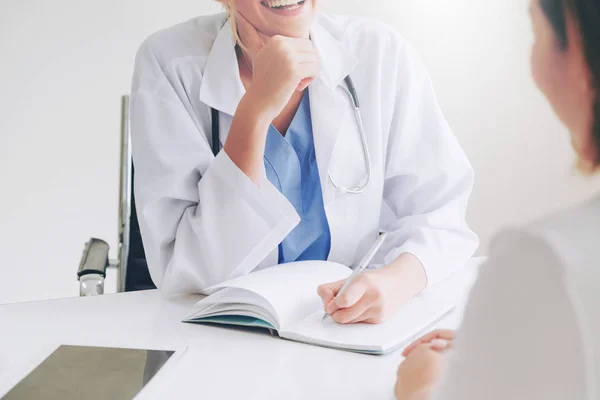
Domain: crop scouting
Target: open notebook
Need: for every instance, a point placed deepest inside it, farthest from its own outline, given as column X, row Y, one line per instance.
column 284, row 299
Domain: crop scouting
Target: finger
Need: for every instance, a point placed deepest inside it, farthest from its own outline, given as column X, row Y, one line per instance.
column 352, row 294
column 251, row 37
column 352, row 314
column 304, row 84
column 306, row 58
column 373, row 315
column 441, row 345
column 305, row 71
column 445, row 334
column 331, row 308
column 409, row 349
column 328, row 291
column 371, row 320
column 302, row 45
column 437, row 334
column 413, row 346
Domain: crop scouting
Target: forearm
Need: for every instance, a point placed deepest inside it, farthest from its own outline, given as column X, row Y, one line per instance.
column 245, row 143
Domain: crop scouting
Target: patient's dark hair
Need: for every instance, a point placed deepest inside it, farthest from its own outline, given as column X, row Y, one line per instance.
column 586, row 15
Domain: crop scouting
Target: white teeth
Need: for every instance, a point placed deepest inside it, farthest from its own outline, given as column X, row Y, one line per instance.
column 280, row 3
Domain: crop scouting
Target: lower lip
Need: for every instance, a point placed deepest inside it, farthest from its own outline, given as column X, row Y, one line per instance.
column 286, row 12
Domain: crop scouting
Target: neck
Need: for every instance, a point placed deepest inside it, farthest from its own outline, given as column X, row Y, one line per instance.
column 244, row 60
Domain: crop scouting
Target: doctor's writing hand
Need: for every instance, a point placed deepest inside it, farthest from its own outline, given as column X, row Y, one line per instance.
column 375, row 295
column 280, row 66
column 365, row 300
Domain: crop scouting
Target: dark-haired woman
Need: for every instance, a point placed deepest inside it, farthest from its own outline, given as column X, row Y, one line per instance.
column 532, row 327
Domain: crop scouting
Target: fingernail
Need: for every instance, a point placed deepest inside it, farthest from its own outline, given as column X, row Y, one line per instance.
column 440, row 344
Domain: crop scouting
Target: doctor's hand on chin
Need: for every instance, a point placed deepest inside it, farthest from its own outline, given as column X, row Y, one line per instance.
column 280, row 69
column 375, row 295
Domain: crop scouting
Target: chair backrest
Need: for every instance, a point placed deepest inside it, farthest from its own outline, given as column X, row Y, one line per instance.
column 133, row 268
column 134, row 274
column 137, row 274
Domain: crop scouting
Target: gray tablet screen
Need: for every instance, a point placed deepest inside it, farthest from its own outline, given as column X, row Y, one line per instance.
column 75, row 372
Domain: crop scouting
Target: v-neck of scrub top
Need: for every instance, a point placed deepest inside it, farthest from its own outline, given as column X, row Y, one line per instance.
column 291, row 166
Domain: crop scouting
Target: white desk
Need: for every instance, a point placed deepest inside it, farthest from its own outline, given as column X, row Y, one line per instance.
column 219, row 362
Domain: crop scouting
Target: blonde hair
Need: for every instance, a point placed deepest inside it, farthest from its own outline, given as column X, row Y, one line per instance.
column 230, row 9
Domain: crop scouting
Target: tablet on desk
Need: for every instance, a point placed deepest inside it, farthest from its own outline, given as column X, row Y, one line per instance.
column 81, row 372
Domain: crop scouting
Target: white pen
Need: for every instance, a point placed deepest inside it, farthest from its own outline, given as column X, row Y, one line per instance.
column 364, row 263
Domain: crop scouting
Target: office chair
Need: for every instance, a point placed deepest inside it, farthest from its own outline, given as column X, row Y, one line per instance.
column 131, row 265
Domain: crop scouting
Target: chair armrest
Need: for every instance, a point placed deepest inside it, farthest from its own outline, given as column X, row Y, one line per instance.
column 92, row 268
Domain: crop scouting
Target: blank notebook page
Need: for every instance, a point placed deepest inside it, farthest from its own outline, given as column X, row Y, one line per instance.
column 291, row 289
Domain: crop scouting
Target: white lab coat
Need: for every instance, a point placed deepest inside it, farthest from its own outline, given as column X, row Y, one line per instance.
column 204, row 221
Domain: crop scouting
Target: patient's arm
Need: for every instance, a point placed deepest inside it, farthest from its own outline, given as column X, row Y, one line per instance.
column 520, row 338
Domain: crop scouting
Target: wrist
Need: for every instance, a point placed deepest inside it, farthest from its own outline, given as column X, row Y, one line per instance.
column 249, row 125
column 255, row 105
column 245, row 143
column 406, row 272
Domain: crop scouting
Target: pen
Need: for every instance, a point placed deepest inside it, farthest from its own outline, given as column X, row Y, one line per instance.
column 362, row 265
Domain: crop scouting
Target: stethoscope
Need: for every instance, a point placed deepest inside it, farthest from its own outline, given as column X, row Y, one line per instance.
column 353, row 96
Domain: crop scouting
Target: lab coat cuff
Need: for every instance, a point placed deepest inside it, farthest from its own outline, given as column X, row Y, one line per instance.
column 272, row 206
column 431, row 263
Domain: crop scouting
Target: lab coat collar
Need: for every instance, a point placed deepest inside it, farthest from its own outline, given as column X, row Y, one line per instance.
column 336, row 61
column 222, row 88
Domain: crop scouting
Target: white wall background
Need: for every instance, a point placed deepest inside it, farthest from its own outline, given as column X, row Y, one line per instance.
column 64, row 65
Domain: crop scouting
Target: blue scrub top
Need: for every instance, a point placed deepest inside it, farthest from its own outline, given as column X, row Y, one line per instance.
column 291, row 167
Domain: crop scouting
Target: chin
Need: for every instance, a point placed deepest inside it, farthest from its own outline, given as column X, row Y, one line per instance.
column 292, row 18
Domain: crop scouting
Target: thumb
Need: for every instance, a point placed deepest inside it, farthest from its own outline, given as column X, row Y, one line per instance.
column 440, row 345
column 355, row 291
column 328, row 291
column 304, row 83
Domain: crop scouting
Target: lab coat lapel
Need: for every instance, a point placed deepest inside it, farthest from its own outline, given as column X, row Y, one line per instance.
column 222, row 87
column 327, row 109
column 329, row 105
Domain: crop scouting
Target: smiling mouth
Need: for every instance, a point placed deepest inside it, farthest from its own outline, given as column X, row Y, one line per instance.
column 283, row 4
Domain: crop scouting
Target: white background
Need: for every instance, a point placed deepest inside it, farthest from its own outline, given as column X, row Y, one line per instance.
column 64, row 65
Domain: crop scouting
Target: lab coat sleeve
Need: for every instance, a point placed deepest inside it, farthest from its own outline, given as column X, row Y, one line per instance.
column 428, row 179
column 203, row 221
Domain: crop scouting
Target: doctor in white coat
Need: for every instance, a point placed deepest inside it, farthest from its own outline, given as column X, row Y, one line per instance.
column 299, row 176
